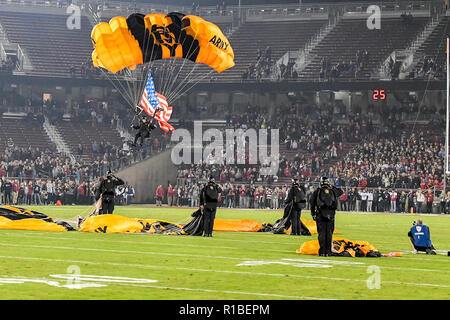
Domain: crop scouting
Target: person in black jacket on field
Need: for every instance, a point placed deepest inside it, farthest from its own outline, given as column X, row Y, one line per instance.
column 323, row 209
column 296, row 198
column 209, row 197
column 107, row 191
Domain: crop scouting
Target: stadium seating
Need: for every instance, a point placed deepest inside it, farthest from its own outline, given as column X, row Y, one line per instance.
column 434, row 45
column 280, row 36
column 75, row 133
column 350, row 35
column 23, row 134
column 52, row 48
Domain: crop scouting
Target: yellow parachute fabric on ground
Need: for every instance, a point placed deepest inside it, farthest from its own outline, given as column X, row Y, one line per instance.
column 247, row 225
column 312, row 226
column 241, row 225
column 15, row 218
column 113, row 223
column 312, row 247
column 30, row 224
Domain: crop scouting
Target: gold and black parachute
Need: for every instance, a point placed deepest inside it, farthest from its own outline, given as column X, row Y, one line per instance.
column 16, row 218
column 128, row 42
column 342, row 247
column 114, row 223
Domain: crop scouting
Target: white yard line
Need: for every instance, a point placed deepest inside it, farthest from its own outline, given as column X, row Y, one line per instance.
column 185, row 255
column 247, row 273
column 181, row 244
column 232, row 292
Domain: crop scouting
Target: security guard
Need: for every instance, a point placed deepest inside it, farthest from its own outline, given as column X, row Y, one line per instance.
column 209, row 197
column 107, row 191
column 296, row 199
column 323, row 209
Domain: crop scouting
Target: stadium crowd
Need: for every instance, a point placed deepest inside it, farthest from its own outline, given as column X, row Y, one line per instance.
column 261, row 67
column 313, row 143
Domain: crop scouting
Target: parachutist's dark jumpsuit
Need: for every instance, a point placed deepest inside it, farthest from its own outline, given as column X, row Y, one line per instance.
column 297, row 202
column 209, row 209
column 107, row 190
column 324, row 220
column 144, row 131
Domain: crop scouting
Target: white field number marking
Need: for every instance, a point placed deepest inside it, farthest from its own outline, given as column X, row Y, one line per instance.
column 76, row 281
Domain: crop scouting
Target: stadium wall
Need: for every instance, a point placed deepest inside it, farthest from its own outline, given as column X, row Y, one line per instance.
column 148, row 174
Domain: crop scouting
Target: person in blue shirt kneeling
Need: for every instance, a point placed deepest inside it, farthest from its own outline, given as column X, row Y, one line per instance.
column 419, row 234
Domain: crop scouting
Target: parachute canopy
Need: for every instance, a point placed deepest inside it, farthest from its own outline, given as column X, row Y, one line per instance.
column 342, row 247
column 128, row 42
column 113, row 223
column 15, row 218
column 241, row 225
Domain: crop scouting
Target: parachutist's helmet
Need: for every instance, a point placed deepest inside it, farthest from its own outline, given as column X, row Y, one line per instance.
column 211, row 179
column 294, row 181
column 324, row 181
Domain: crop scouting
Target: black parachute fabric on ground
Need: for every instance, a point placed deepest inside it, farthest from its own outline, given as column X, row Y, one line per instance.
column 16, row 213
column 10, row 214
column 285, row 222
column 195, row 226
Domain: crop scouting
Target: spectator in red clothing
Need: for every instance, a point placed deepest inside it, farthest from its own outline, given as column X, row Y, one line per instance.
column 15, row 191
column 429, row 199
column 81, row 194
column 393, row 196
column 159, row 195
column 29, row 193
column 343, row 201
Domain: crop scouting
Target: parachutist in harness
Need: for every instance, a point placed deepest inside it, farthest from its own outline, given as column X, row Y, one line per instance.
column 296, row 198
column 324, row 202
column 106, row 191
column 144, row 127
column 209, row 197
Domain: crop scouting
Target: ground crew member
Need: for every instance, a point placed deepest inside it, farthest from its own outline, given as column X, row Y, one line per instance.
column 323, row 209
column 209, row 197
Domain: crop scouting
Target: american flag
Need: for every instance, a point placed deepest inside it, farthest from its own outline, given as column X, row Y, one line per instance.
column 151, row 100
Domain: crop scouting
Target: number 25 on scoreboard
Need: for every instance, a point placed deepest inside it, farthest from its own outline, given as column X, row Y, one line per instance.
column 378, row 94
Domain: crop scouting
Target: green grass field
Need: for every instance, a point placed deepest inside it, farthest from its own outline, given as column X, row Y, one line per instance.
column 231, row 265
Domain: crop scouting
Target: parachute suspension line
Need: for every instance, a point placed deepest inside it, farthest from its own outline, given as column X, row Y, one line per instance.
column 169, row 77
column 179, row 91
column 182, row 83
column 182, row 66
column 122, row 91
column 183, row 90
column 145, row 67
column 120, row 88
column 444, row 34
column 130, row 83
column 173, row 76
column 128, row 95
